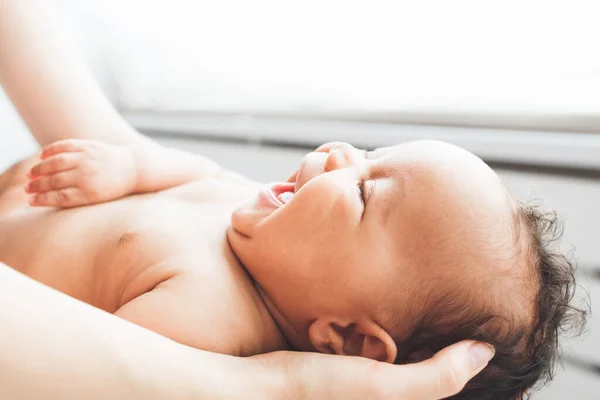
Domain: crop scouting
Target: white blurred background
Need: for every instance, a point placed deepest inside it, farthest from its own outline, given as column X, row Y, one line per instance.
column 256, row 84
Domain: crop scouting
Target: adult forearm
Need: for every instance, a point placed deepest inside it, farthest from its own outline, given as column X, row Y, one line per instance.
column 47, row 81
column 55, row 347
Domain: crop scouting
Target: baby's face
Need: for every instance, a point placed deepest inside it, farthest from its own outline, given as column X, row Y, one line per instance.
column 369, row 235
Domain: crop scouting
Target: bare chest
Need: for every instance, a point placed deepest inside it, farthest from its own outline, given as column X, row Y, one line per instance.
column 96, row 253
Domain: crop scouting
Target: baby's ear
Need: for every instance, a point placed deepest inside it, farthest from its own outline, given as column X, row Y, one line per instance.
column 364, row 338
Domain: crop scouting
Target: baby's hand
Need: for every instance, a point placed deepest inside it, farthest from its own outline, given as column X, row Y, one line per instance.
column 80, row 172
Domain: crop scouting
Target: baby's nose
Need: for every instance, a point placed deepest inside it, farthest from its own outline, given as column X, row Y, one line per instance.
column 341, row 156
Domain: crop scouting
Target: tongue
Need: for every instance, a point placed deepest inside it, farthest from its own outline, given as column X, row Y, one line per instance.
column 285, row 197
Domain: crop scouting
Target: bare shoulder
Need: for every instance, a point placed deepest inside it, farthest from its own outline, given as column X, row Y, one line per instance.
column 194, row 309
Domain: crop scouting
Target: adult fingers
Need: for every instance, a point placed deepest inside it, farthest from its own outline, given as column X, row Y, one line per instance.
column 446, row 373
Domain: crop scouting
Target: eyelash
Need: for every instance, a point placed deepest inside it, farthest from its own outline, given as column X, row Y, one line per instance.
column 361, row 191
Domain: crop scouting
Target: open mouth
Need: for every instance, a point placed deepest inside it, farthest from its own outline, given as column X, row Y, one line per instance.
column 282, row 192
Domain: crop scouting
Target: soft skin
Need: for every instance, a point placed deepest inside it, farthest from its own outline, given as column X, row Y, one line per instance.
column 159, row 260
column 370, row 241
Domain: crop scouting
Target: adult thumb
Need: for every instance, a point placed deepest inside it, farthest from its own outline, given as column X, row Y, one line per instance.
column 451, row 368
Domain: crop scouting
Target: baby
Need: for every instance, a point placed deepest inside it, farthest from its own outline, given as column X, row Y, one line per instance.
column 390, row 254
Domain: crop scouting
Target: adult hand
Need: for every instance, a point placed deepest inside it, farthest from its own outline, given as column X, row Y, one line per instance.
column 320, row 376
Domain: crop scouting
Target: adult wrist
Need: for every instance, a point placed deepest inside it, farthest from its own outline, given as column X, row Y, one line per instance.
column 203, row 375
column 270, row 376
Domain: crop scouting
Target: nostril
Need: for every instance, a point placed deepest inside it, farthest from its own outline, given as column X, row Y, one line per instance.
column 331, row 163
column 312, row 165
column 336, row 159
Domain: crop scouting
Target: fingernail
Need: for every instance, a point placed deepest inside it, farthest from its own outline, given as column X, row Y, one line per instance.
column 481, row 354
column 28, row 188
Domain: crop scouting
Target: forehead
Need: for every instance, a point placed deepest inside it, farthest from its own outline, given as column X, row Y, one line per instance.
column 439, row 164
column 430, row 152
column 439, row 197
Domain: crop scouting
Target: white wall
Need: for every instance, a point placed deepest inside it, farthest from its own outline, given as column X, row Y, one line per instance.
column 509, row 63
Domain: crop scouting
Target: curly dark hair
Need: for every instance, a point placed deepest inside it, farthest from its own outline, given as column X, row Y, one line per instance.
column 526, row 356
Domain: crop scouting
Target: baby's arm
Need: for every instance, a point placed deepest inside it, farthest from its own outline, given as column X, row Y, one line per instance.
column 78, row 172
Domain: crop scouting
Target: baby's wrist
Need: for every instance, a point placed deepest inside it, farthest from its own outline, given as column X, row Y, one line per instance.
column 140, row 170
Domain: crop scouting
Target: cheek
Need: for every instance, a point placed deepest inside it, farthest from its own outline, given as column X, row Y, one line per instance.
column 318, row 225
column 326, row 210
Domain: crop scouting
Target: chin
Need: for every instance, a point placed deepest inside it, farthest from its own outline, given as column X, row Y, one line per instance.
column 245, row 220
column 240, row 245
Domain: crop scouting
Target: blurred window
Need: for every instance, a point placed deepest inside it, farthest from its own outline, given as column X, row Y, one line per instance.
column 531, row 64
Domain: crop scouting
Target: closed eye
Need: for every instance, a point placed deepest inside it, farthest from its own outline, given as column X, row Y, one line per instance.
column 361, row 192
column 365, row 189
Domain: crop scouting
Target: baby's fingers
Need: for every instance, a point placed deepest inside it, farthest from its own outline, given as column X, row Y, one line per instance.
column 62, row 146
column 65, row 198
column 56, row 163
column 60, row 180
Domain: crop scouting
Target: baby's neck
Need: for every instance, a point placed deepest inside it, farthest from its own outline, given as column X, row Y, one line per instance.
column 277, row 321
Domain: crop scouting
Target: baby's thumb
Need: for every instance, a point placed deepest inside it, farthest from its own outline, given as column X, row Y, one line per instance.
column 456, row 365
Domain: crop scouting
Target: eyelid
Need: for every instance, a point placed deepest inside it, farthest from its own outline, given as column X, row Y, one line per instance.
column 361, row 190
column 368, row 188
